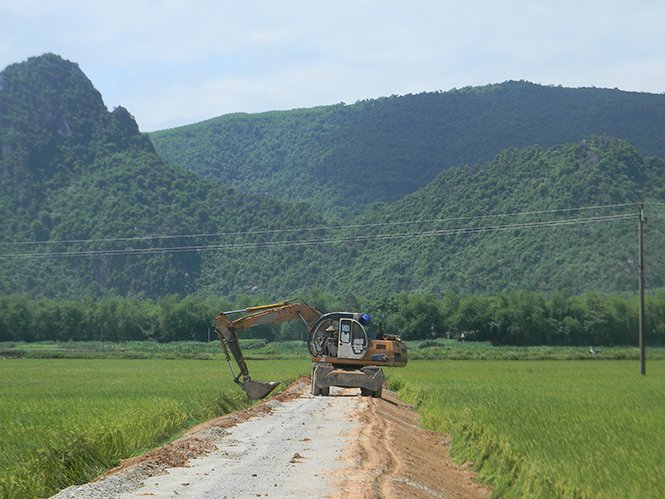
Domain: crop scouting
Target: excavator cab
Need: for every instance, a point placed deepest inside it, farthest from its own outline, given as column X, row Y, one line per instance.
column 338, row 335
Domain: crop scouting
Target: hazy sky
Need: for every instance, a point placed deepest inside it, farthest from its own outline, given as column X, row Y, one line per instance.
column 178, row 62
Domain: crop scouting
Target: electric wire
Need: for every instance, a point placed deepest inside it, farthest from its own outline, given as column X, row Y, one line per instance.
column 347, row 239
column 322, row 228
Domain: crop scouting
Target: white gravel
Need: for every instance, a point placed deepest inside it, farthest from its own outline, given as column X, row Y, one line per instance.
column 253, row 459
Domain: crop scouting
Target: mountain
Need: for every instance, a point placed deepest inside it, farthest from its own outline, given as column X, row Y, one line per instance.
column 78, row 179
column 514, row 223
column 89, row 208
column 54, row 127
column 343, row 158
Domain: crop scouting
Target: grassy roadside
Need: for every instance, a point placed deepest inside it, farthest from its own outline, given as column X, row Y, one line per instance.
column 547, row 429
column 64, row 422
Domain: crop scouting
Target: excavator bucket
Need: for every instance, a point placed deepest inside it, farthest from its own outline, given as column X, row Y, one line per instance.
column 258, row 389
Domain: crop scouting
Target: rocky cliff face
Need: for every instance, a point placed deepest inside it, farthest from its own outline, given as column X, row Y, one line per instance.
column 51, row 113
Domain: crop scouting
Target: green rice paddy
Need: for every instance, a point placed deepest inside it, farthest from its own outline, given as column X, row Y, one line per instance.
column 548, row 428
column 578, row 429
column 64, row 422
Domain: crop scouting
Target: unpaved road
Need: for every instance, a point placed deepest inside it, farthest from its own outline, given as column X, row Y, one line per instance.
column 296, row 445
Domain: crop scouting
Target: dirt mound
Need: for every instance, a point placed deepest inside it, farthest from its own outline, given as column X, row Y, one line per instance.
column 391, row 456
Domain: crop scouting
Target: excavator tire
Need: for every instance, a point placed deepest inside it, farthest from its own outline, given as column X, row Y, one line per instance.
column 366, row 392
column 315, row 389
column 319, row 391
column 377, row 394
column 324, row 392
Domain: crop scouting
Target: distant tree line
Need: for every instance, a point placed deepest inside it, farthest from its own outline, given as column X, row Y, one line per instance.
column 524, row 318
column 517, row 318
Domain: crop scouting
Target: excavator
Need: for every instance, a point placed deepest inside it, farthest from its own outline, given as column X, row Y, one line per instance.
column 342, row 353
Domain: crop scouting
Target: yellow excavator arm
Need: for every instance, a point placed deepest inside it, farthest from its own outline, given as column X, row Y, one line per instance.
column 258, row 316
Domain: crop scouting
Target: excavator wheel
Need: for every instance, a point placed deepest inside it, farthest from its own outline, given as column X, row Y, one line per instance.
column 316, row 390
column 320, row 391
column 324, row 392
column 366, row 392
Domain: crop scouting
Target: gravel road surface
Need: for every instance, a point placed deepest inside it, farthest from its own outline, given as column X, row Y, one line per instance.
column 296, row 445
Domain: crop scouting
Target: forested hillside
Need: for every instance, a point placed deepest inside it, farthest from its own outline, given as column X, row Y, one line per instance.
column 514, row 224
column 345, row 157
column 90, row 209
column 93, row 209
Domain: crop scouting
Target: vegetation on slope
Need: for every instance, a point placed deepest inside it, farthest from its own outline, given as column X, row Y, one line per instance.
column 473, row 235
column 344, row 158
column 83, row 187
column 76, row 178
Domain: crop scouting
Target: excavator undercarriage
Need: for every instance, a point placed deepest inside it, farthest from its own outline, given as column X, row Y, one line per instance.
column 369, row 379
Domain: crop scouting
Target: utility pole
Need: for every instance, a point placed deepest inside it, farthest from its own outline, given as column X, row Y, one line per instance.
column 640, row 235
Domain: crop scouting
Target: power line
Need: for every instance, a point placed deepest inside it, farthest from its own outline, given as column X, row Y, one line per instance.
column 322, row 228
column 365, row 237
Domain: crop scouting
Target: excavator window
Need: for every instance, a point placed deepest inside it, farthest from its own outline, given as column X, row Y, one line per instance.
column 323, row 341
column 345, row 333
column 352, row 340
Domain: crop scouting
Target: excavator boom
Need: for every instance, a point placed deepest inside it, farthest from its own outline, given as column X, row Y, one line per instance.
column 265, row 314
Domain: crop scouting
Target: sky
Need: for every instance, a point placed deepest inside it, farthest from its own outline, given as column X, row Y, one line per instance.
column 178, row 62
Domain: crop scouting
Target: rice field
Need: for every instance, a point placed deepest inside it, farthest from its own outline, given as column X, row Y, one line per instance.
column 570, row 429
column 64, row 422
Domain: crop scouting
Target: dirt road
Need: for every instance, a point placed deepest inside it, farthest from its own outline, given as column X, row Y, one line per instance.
column 296, row 445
